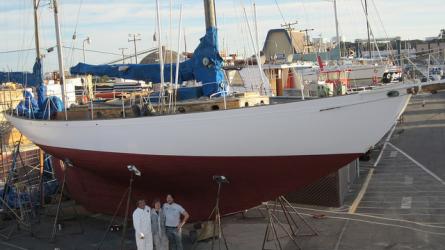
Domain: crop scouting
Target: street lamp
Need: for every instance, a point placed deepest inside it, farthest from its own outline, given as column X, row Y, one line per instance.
column 88, row 41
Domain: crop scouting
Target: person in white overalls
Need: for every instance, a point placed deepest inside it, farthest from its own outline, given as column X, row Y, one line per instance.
column 142, row 226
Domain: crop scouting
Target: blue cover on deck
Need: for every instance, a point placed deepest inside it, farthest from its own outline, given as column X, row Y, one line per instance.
column 41, row 88
column 189, row 93
column 205, row 66
column 39, row 108
column 29, row 106
column 51, row 105
column 27, row 79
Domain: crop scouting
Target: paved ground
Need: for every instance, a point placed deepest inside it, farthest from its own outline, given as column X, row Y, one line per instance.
column 402, row 206
column 423, row 131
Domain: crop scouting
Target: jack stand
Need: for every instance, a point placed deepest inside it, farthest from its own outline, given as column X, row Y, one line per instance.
column 112, row 219
column 134, row 172
column 23, row 215
column 290, row 227
column 216, row 215
column 290, row 210
column 17, row 226
column 59, row 206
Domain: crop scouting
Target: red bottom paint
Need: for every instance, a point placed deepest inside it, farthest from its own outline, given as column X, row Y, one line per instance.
column 98, row 180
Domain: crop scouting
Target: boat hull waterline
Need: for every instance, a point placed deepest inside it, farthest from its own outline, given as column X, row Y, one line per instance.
column 264, row 151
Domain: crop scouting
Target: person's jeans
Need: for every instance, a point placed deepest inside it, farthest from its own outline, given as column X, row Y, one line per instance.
column 174, row 238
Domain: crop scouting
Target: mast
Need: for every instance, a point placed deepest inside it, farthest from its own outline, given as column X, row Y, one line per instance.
column 210, row 13
column 258, row 51
column 336, row 28
column 36, row 4
column 178, row 53
column 161, row 56
column 368, row 29
column 60, row 55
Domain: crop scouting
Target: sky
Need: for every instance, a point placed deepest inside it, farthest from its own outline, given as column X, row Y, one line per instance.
column 108, row 23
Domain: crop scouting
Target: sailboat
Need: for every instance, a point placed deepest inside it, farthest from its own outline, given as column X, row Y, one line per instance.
column 362, row 72
column 264, row 151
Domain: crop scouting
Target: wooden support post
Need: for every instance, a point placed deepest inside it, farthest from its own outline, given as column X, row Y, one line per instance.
column 279, row 82
column 42, row 181
column 279, row 87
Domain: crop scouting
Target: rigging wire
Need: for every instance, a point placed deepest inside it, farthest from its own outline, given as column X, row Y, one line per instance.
column 381, row 23
column 16, row 51
column 371, row 32
column 74, row 38
column 306, row 16
column 66, row 47
column 247, row 28
column 21, row 61
column 368, row 218
column 281, row 13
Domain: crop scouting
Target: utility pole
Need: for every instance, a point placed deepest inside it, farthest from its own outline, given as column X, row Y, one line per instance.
column 368, row 28
column 123, row 54
column 289, row 28
column 134, row 38
column 308, row 42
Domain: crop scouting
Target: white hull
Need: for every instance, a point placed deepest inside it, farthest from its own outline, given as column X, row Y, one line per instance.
column 337, row 125
column 359, row 74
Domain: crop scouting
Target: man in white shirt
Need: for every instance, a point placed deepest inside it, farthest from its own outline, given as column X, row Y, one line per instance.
column 173, row 222
column 142, row 226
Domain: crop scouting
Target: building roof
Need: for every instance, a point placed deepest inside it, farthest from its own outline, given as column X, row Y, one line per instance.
column 153, row 58
column 295, row 38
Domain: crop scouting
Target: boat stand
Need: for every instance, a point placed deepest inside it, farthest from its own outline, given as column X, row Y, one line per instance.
column 21, row 222
column 289, row 227
column 26, row 210
column 113, row 218
column 215, row 216
column 56, row 224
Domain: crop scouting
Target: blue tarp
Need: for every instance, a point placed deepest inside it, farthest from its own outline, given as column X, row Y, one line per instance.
column 49, row 109
column 25, row 78
column 14, row 199
column 189, row 93
column 29, row 106
column 205, row 66
column 28, row 79
column 41, row 88
column 39, row 108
